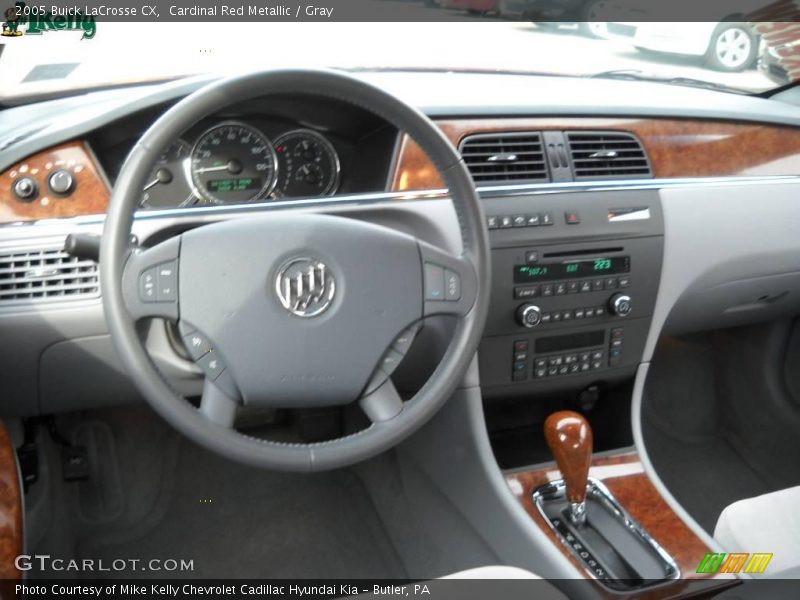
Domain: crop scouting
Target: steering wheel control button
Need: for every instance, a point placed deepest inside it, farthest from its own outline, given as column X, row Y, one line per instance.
column 434, row 282
column 25, row 189
column 211, row 364
column 61, row 182
column 390, row 361
column 452, row 285
column 167, row 281
column 147, row 286
column 403, row 341
column 197, row 345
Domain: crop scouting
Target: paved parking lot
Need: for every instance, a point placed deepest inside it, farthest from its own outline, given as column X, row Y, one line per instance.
column 131, row 51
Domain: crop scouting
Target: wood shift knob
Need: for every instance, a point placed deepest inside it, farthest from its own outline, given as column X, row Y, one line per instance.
column 570, row 439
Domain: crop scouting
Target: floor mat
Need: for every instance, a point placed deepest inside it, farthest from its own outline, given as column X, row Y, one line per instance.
column 705, row 476
column 234, row 521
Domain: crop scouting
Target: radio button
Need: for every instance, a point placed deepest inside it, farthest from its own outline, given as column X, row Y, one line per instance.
column 540, row 363
column 548, row 290
column 560, row 289
column 624, row 282
column 526, row 292
column 556, row 317
column 540, row 372
column 532, row 256
column 586, row 286
column 579, row 312
column 599, row 311
column 546, row 318
column 573, row 287
column 567, row 315
column 589, row 313
column 611, row 283
column 597, row 285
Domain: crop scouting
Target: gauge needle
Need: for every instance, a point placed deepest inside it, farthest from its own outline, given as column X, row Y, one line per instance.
column 151, row 184
column 209, row 169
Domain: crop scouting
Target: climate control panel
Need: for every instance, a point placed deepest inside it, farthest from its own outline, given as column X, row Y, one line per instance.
column 572, row 303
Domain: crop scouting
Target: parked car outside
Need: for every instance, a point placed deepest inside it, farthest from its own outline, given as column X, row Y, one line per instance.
column 727, row 46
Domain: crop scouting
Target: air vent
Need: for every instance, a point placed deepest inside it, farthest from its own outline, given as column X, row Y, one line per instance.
column 495, row 158
column 35, row 275
column 602, row 155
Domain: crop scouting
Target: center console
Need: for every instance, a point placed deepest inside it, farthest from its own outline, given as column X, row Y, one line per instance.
column 574, row 283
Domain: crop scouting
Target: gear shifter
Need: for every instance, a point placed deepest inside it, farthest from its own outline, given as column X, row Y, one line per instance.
column 570, row 439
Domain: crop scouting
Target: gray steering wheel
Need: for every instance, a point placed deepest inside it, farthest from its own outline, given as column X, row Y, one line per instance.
column 291, row 310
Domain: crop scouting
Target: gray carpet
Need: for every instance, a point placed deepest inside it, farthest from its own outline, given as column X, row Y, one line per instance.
column 716, row 428
column 232, row 521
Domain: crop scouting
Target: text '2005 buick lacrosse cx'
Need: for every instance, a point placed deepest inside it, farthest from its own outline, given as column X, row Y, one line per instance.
column 399, row 298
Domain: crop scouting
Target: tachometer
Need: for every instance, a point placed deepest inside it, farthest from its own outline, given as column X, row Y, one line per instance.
column 308, row 165
column 233, row 162
column 168, row 184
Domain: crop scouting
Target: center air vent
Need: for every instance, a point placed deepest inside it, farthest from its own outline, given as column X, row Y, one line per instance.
column 601, row 155
column 34, row 275
column 495, row 158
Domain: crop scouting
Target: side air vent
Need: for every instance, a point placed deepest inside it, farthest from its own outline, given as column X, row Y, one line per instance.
column 37, row 275
column 601, row 155
column 496, row 158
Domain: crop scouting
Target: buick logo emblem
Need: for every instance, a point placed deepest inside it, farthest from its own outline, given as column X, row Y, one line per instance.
column 305, row 286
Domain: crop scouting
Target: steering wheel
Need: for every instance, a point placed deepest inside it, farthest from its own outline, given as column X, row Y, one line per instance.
column 288, row 310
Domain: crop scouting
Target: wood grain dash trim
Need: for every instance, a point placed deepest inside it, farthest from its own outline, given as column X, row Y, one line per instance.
column 10, row 512
column 90, row 196
column 676, row 147
column 623, row 474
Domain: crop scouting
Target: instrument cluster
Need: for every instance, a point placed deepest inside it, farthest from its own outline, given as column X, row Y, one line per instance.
column 234, row 162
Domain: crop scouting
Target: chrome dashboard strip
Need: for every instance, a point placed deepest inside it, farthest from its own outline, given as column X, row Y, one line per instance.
column 486, row 193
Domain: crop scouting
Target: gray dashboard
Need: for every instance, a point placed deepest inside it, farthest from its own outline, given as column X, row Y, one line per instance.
column 730, row 250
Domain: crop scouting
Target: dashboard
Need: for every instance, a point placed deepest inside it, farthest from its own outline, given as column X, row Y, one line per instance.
column 588, row 266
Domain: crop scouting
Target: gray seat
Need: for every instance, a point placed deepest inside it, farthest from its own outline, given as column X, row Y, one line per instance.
column 767, row 523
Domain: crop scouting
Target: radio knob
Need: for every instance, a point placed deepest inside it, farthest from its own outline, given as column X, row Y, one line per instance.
column 620, row 305
column 529, row 315
column 61, row 182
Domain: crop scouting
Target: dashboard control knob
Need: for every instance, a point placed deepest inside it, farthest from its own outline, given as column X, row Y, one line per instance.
column 61, row 182
column 620, row 305
column 25, row 189
column 529, row 315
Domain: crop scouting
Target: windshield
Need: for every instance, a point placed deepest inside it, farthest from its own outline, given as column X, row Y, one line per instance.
column 736, row 56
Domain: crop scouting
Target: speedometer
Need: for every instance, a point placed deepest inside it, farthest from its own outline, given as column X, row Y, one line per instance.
column 308, row 165
column 233, row 162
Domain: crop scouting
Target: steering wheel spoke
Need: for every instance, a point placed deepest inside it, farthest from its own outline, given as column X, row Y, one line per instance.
column 150, row 281
column 217, row 405
column 449, row 283
column 383, row 403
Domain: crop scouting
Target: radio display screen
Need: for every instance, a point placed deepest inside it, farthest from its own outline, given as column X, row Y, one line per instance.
column 594, row 267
